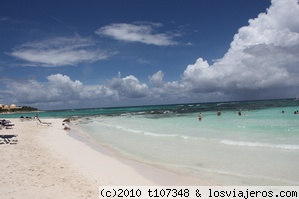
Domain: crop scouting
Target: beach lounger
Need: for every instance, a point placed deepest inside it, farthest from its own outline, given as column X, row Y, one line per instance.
column 44, row 123
column 6, row 124
column 8, row 139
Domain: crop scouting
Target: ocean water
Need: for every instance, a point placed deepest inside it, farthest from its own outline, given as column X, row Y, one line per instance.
column 260, row 147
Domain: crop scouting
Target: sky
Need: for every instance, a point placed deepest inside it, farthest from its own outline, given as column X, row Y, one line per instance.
column 63, row 54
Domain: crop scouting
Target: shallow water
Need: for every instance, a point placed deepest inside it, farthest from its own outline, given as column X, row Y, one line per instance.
column 261, row 147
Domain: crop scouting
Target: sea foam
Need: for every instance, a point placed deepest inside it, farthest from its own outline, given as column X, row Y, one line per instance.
column 260, row 144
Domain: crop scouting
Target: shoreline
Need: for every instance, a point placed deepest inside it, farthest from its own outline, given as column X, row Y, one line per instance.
column 159, row 176
column 48, row 160
column 124, row 168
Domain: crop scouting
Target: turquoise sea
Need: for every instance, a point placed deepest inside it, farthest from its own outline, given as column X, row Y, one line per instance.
column 260, row 147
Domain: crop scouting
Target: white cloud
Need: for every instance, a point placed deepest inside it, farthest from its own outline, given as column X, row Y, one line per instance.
column 157, row 79
column 278, row 27
column 129, row 87
column 59, row 51
column 143, row 33
column 29, row 91
column 62, row 86
column 262, row 56
column 262, row 62
column 58, row 90
column 61, row 91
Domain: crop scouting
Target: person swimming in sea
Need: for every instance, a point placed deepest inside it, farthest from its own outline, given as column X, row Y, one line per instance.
column 218, row 113
column 240, row 113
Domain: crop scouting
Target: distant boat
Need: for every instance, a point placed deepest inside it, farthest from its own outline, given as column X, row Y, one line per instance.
column 297, row 98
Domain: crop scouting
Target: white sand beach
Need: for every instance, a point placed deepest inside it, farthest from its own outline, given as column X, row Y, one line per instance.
column 48, row 162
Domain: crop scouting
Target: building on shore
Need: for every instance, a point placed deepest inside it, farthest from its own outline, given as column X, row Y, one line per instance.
column 14, row 108
column 11, row 107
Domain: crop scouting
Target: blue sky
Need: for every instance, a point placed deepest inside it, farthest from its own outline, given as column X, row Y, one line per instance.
column 76, row 54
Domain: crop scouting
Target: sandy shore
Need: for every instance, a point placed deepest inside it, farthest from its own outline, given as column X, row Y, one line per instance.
column 48, row 161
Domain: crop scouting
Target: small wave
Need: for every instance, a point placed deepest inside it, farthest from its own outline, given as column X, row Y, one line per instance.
column 153, row 134
column 125, row 114
column 158, row 135
column 168, row 135
column 260, row 144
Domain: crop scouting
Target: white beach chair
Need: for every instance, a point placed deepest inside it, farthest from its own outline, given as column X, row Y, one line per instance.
column 43, row 123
